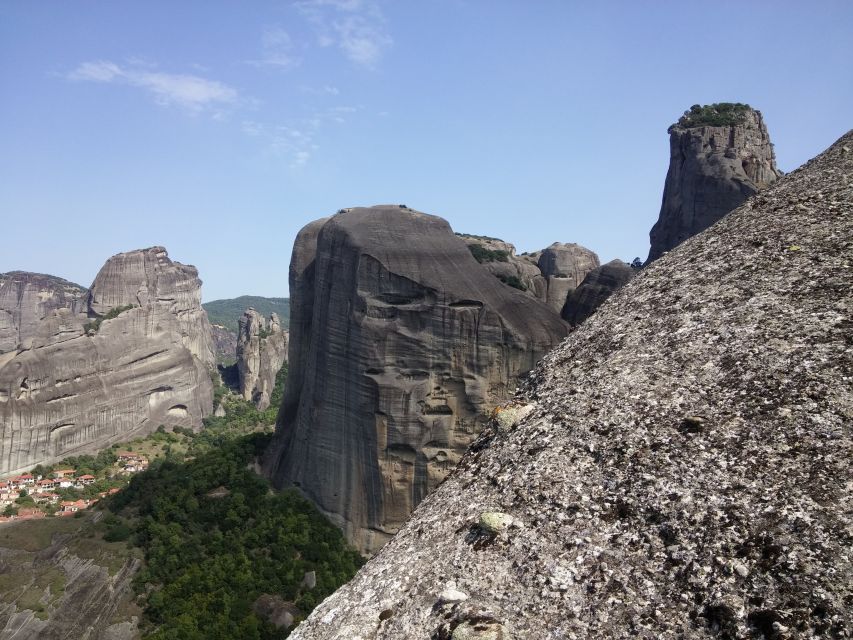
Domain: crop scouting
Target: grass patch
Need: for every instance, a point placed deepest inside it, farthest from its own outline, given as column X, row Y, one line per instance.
column 35, row 535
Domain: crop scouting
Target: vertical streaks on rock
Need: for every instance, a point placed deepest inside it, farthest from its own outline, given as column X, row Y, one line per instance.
column 401, row 344
column 83, row 383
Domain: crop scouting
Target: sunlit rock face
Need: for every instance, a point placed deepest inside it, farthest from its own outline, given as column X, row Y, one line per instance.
column 681, row 468
column 401, row 343
column 261, row 352
column 26, row 298
column 86, row 380
column 564, row 266
column 712, row 170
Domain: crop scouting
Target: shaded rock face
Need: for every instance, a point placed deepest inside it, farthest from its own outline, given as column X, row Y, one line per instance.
column 75, row 389
column 27, row 298
column 400, row 346
column 261, row 351
column 596, row 287
column 684, row 471
column 712, row 170
column 564, row 266
column 224, row 344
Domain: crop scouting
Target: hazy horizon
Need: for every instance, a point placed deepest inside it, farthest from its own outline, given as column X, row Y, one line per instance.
column 219, row 130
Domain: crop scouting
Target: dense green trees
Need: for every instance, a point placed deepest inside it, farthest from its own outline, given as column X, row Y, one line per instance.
column 718, row 114
column 215, row 537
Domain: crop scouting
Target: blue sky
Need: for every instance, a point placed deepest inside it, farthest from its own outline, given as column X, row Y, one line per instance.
column 218, row 129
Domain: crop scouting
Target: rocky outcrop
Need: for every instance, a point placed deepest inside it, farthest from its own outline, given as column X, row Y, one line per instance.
column 712, row 170
column 499, row 259
column 139, row 358
column 596, row 287
column 59, row 592
column 549, row 275
column 683, row 470
column 564, row 266
column 27, row 298
column 261, row 351
column 401, row 345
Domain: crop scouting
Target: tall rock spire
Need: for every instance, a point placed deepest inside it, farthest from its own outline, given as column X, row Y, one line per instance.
column 720, row 155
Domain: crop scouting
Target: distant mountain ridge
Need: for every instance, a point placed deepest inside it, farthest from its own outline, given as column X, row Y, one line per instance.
column 228, row 311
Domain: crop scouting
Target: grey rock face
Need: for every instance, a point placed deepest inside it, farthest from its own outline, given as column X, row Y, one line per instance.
column 686, row 470
column 224, row 344
column 69, row 391
column 596, row 287
column 401, row 343
column 712, row 170
column 518, row 271
column 564, row 266
column 26, row 298
column 261, row 351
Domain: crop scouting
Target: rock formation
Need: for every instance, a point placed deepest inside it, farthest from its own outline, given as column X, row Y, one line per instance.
column 139, row 358
column 548, row 275
column 26, row 298
column 683, row 470
column 94, row 600
column 261, row 351
column 564, row 266
column 712, row 170
column 596, row 287
column 400, row 346
column 499, row 259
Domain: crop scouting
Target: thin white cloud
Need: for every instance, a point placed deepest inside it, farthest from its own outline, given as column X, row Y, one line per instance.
column 190, row 92
column 277, row 50
column 357, row 27
column 296, row 142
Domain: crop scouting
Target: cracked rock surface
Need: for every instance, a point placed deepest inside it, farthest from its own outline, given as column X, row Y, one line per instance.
column 685, row 472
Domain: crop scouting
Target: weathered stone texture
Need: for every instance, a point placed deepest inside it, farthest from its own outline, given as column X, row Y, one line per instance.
column 597, row 286
column 261, row 352
column 712, row 170
column 66, row 392
column 26, row 298
column 685, row 469
column 401, row 343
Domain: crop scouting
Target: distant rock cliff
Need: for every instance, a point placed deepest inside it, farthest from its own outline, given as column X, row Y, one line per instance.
column 564, row 267
column 684, row 468
column 597, row 286
column 719, row 156
column 400, row 346
column 138, row 358
column 261, row 351
column 27, row 298
column 549, row 275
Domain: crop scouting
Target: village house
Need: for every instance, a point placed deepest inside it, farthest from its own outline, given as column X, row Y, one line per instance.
column 127, row 456
column 47, row 484
column 65, row 483
column 46, row 498
column 23, row 480
column 68, row 506
column 86, row 480
column 64, row 473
